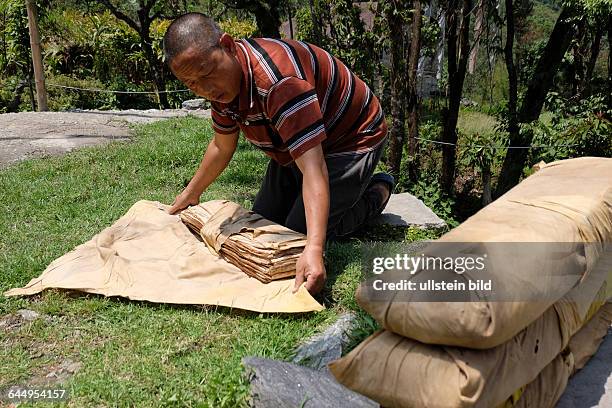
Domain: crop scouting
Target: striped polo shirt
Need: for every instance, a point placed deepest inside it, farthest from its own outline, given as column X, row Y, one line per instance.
column 294, row 96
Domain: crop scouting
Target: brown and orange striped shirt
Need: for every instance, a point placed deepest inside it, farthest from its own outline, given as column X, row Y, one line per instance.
column 296, row 95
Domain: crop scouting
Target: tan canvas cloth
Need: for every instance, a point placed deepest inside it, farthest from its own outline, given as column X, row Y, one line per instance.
column 547, row 388
column 150, row 255
column 567, row 201
column 262, row 249
column 402, row 372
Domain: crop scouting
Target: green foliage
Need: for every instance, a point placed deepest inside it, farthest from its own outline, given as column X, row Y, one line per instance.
column 429, row 190
column 238, row 28
column 343, row 34
column 481, row 150
column 573, row 129
column 15, row 58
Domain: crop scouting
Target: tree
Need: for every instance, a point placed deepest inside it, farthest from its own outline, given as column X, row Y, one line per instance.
column 512, row 124
column 139, row 15
column 412, row 94
column 266, row 12
column 16, row 59
column 457, row 31
column 395, row 22
column 539, row 84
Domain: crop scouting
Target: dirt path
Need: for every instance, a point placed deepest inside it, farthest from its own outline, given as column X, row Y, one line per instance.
column 34, row 134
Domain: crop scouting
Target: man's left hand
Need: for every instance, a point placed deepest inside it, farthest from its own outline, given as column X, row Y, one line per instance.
column 310, row 269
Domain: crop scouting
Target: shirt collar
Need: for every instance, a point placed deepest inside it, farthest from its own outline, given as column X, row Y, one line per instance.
column 246, row 95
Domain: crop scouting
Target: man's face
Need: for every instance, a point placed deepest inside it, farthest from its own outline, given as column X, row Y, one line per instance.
column 214, row 75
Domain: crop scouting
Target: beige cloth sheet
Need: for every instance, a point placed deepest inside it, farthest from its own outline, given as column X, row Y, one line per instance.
column 568, row 201
column 150, row 255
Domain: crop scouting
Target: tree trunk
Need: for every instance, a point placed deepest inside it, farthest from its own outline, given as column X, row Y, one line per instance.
column 593, row 54
column 537, row 89
column 486, row 185
column 457, row 38
column 578, row 72
column 156, row 68
column 316, row 23
column 513, row 127
column 413, row 96
column 31, row 91
column 610, row 60
column 398, row 81
column 267, row 19
column 290, row 15
column 13, row 106
column 37, row 62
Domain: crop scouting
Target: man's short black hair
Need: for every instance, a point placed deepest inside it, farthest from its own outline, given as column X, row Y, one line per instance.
column 189, row 30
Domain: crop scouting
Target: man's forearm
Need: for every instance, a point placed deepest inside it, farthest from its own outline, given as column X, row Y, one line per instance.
column 215, row 160
column 315, row 193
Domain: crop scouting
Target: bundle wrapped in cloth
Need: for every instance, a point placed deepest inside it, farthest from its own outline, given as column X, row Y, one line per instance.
column 557, row 221
column 531, row 370
column 548, row 241
column 260, row 248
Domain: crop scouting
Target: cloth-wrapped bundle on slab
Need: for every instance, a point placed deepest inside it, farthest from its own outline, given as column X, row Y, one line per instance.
column 260, row 248
column 559, row 220
column 148, row 254
column 428, row 375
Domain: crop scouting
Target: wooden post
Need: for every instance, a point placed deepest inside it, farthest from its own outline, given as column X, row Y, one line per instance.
column 39, row 75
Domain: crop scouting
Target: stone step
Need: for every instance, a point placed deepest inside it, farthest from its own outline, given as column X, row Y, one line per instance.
column 405, row 210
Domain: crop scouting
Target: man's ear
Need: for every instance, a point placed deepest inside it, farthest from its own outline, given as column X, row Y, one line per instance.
column 227, row 43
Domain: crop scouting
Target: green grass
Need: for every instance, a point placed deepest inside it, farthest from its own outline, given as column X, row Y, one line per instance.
column 138, row 353
column 471, row 122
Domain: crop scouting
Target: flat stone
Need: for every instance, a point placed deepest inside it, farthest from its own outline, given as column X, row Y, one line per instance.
column 28, row 315
column 279, row 384
column 591, row 387
column 326, row 347
column 34, row 134
column 405, row 210
column 193, row 104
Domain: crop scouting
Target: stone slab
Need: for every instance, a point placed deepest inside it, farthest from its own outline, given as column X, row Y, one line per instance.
column 34, row 134
column 405, row 210
column 279, row 384
column 326, row 347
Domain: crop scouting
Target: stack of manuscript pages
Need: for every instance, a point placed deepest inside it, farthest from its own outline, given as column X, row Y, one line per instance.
column 259, row 247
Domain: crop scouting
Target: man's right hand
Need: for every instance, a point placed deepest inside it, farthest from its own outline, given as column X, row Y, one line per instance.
column 182, row 201
column 215, row 160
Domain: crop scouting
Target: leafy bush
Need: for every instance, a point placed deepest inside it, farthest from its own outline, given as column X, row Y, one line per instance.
column 575, row 129
column 238, row 28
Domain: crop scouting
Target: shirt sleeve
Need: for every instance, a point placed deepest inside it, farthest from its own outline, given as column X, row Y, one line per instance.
column 294, row 111
column 222, row 123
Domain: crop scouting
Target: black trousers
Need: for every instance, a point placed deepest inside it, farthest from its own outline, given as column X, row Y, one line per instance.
column 280, row 197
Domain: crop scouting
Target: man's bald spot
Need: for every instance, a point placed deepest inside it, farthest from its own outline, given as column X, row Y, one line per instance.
column 191, row 30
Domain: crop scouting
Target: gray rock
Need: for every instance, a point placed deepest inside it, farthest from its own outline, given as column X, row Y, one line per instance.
column 28, row 315
column 193, row 104
column 468, row 102
column 326, row 347
column 408, row 211
column 591, row 387
column 286, row 385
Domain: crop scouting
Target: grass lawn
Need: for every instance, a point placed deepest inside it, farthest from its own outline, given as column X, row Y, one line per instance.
column 137, row 353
